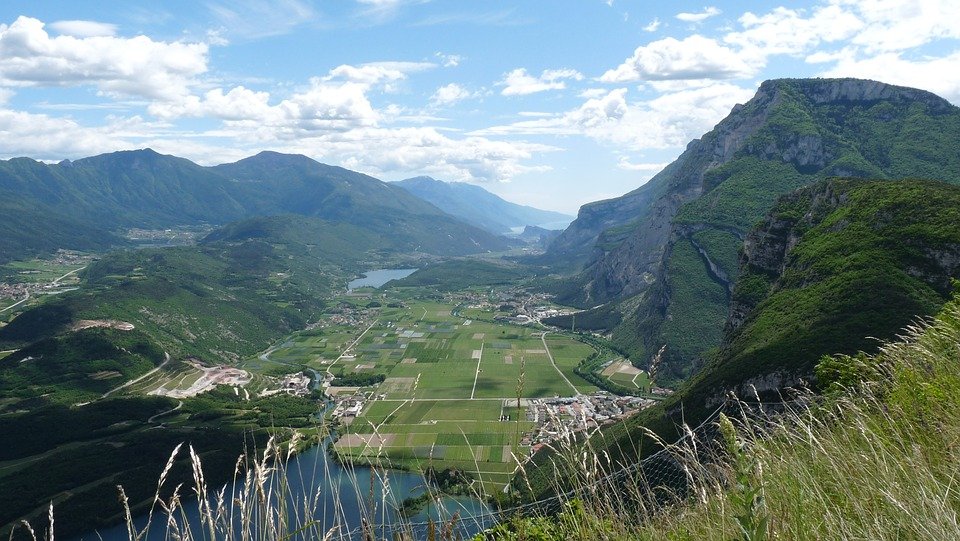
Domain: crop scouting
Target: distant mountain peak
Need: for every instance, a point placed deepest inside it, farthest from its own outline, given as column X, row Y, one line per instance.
column 271, row 156
column 476, row 205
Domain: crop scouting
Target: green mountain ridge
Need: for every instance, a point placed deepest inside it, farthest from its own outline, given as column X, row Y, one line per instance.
column 663, row 257
column 112, row 192
column 834, row 268
column 231, row 296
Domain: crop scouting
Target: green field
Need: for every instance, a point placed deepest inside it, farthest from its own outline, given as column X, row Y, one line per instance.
column 465, row 434
column 448, row 375
column 38, row 271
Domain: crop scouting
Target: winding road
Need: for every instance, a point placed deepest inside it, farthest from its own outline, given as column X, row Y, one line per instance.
column 171, row 410
column 166, row 359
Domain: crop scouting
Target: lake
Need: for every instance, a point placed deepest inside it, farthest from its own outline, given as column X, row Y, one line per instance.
column 376, row 278
column 342, row 495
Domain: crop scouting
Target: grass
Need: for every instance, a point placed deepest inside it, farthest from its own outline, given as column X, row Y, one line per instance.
column 876, row 458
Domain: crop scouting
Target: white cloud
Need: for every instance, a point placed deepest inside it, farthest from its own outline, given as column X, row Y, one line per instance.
column 695, row 57
column 668, row 121
column 653, row 25
column 791, row 32
column 337, row 101
column 473, row 158
column 699, row 16
column 650, row 168
column 375, row 73
column 50, row 138
column 450, row 94
column 897, row 25
column 84, row 29
column 252, row 19
column 135, row 66
column 940, row 75
column 592, row 93
column 449, row 60
column 519, row 83
column 322, row 107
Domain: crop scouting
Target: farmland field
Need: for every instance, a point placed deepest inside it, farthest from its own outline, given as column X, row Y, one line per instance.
column 451, row 381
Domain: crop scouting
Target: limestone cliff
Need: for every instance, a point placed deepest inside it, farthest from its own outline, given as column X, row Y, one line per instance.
column 789, row 135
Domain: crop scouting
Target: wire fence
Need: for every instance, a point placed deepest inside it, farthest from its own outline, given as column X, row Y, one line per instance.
column 660, row 473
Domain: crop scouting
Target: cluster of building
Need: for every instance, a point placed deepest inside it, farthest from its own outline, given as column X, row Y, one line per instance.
column 297, row 384
column 346, row 408
column 15, row 291
column 19, row 290
column 176, row 236
column 516, row 306
column 558, row 418
column 347, row 315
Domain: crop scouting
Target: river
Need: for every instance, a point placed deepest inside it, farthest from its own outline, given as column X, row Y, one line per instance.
column 376, row 278
column 340, row 496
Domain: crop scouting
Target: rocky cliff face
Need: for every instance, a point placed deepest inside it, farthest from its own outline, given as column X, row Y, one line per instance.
column 832, row 268
column 792, row 133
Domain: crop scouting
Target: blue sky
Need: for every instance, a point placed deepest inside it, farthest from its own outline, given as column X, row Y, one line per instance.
column 552, row 104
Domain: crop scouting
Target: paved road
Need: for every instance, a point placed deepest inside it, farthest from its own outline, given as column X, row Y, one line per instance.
column 21, row 301
column 171, row 410
column 543, row 338
column 477, row 375
column 57, row 281
column 166, row 359
column 351, row 346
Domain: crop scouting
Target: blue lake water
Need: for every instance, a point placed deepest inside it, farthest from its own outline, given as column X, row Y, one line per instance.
column 340, row 496
column 376, row 278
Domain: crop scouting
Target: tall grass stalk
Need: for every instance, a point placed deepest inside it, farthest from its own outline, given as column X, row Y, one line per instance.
column 877, row 458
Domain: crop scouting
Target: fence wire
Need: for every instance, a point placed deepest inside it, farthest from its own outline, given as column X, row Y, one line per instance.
column 662, row 474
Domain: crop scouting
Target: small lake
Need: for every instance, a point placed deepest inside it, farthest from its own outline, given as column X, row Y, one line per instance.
column 341, row 496
column 376, row 278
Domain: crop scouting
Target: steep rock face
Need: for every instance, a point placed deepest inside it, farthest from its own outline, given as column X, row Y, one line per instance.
column 830, row 269
column 792, row 133
column 653, row 205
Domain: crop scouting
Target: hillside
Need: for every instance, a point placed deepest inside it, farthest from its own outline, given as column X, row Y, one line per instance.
column 479, row 207
column 228, row 298
column 460, row 274
column 241, row 288
column 662, row 259
column 833, row 269
column 862, row 462
column 107, row 194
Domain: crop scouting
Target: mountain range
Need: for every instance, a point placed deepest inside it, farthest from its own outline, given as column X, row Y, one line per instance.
column 659, row 264
column 83, row 204
column 481, row 208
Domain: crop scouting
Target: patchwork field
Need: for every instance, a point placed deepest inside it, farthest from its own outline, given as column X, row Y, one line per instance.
column 449, row 380
column 624, row 373
column 479, row 436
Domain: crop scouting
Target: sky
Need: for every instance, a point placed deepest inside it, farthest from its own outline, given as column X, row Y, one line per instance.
column 547, row 103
